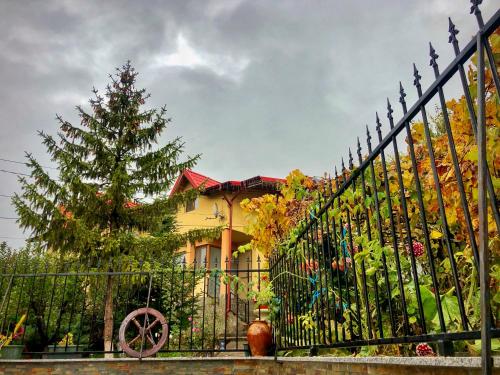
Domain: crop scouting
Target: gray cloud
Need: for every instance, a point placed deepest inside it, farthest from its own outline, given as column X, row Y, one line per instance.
column 258, row 87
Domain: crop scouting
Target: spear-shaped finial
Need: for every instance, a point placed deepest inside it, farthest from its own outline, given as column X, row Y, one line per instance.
column 475, row 6
column 434, row 56
column 453, row 32
column 417, row 77
column 378, row 127
column 368, row 139
column 389, row 112
column 477, row 12
column 336, row 175
column 402, row 94
column 351, row 164
column 359, row 150
column 343, row 165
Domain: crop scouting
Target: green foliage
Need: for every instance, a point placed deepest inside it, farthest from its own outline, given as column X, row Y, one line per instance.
column 104, row 164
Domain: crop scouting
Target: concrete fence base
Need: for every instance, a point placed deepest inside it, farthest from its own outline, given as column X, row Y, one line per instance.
column 244, row 366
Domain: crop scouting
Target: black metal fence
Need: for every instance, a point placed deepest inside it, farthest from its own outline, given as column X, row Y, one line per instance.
column 393, row 249
column 207, row 309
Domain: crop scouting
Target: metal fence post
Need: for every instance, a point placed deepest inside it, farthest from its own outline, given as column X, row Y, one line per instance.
column 486, row 360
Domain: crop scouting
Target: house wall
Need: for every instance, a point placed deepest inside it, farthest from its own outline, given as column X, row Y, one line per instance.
column 203, row 217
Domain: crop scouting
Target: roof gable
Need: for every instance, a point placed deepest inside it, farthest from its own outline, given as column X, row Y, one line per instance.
column 195, row 179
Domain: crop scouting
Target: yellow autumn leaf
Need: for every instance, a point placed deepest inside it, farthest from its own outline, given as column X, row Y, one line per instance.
column 436, row 234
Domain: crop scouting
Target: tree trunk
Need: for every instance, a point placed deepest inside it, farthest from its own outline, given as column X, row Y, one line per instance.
column 108, row 317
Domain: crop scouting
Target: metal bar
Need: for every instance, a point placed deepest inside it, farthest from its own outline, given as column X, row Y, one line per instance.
column 363, row 270
column 205, row 280
column 489, row 53
column 324, row 261
column 319, row 283
column 311, row 288
column 404, row 207
column 192, row 305
column 393, row 231
column 472, row 115
column 341, row 255
column 381, row 235
column 337, row 258
column 486, row 360
column 216, row 292
column 182, row 299
column 442, row 211
column 354, row 276
column 146, row 316
column 423, row 219
column 82, row 311
column 172, row 289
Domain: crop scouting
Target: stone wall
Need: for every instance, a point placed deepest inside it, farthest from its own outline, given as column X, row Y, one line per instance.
column 244, row 366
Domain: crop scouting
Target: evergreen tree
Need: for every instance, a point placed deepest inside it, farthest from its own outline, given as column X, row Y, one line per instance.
column 104, row 164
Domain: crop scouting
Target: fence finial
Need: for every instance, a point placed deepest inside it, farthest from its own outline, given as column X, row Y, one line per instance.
column 475, row 7
column 368, row 139
column 378, row 127
column 434, row 56
column 453, row 32
column 359, row 150
column 389, row 111
column 402, row 93
column 343, row 166
column 351, row 164
column 417, row 76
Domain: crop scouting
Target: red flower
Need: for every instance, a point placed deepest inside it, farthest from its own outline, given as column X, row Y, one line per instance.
column 424, row 350
column 418, row 248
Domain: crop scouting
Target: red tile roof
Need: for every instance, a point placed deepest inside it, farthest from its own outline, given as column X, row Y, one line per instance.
column 195, row 179
column 211, row 185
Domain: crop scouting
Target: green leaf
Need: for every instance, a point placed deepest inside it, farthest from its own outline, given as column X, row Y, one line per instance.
column 428, row 303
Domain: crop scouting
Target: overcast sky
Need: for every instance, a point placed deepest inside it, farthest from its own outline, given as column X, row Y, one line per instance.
column 257, row 87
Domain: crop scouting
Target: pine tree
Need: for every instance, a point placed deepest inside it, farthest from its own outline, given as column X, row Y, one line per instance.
column 104, row 164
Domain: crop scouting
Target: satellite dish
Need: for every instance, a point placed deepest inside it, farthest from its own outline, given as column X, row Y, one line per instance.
column 217, row 212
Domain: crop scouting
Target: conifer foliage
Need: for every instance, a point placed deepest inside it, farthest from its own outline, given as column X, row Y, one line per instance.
column 113, row 156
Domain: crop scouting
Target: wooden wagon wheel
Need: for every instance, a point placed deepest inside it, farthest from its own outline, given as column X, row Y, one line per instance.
column 142, row 323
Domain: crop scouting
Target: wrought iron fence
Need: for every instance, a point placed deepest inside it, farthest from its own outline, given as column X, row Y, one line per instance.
column 64, row 303
column 392, row 251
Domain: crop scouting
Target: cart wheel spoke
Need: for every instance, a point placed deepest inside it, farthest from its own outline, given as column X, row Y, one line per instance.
column 151, row 326
column 137, row 324
column 134, row 339
column 150, row 339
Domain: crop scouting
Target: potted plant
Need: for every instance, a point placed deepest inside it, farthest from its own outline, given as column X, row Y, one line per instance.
column 9, row 347
column 64, row 346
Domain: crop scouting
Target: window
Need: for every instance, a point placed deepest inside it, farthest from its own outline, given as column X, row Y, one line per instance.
column 213, row 261
column 180, row 258
column 192, row 205
column 201, row 256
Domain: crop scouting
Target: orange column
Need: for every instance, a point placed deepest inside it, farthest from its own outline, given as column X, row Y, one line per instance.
column 190, row 253
column 225, row 248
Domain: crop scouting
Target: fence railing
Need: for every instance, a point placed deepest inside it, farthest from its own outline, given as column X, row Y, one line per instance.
column 64, row 303
column 391, row 252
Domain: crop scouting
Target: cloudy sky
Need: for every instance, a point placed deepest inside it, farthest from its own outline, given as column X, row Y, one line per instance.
column 257, row 87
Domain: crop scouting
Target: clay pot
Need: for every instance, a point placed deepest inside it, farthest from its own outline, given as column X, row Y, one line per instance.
column 259, row 337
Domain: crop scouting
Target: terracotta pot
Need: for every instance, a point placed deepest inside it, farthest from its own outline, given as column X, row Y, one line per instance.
column 259, row 337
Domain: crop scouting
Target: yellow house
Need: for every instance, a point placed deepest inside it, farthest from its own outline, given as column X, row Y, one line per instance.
column 219, row 205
